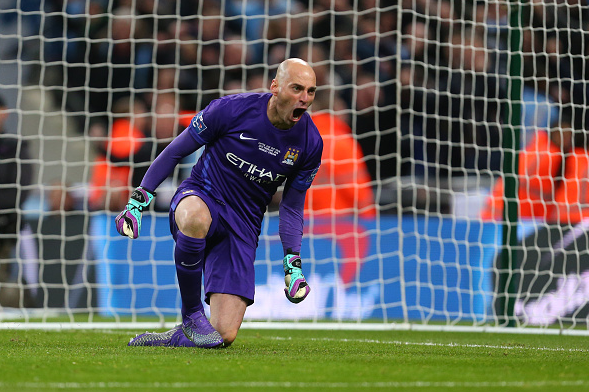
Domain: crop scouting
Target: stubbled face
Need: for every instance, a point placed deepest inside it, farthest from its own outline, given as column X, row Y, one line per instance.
column 294, row 91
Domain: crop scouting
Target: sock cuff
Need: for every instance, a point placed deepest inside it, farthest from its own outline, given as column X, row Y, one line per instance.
column 189, row 244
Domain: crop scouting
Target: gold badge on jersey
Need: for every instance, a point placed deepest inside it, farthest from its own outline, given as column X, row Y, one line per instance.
column 291, row 156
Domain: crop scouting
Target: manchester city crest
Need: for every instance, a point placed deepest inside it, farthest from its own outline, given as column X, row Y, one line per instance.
column 291, row 156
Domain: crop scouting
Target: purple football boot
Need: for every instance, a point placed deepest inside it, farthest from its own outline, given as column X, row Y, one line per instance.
column 199, row 330
column 172, row 338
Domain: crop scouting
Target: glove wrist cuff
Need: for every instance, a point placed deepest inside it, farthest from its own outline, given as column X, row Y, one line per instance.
column 152, row 193
column 291, row 262
column 141, row 198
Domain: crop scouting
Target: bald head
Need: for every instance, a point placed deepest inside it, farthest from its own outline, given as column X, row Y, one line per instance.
column 290, row 67
column 293, row 91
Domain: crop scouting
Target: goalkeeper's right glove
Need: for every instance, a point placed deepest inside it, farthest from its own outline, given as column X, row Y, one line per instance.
column 128, row 222
column 297, row 288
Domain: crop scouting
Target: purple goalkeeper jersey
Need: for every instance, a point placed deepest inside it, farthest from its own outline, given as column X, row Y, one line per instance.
column 246, row 158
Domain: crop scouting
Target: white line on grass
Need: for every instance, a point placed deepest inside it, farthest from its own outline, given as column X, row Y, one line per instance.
column 287, row 384
column 319, row 326
column 396, row 342
column 432, row 344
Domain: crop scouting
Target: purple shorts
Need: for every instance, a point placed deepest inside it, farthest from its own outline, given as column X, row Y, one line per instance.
column 229, row 260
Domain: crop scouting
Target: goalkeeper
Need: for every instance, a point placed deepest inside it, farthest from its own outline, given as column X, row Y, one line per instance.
column 254, row 143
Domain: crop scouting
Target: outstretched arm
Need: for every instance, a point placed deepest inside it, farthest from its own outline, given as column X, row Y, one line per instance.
column 182, row 146
column 128, row 222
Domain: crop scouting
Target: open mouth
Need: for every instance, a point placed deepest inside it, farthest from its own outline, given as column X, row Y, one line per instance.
column 297, row 113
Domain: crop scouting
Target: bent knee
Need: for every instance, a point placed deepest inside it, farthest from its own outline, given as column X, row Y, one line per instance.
column 227, row 313
column 193, row 217
column 228, row 335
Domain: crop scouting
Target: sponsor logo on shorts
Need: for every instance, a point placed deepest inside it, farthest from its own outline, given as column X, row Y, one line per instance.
column 187, row 192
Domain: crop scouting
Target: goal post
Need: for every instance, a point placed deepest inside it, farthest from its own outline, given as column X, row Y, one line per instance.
column 419, row 104
column 506, row 290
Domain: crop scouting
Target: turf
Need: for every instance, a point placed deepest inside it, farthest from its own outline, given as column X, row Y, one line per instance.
column 273, row 360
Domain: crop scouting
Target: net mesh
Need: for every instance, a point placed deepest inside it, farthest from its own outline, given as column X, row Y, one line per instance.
column 418, row 103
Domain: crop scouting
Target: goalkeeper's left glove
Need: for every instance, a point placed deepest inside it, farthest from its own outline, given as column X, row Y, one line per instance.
column 297, row 288
column 128, row 222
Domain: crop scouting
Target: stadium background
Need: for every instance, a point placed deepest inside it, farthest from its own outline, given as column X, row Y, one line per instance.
column 99, row 87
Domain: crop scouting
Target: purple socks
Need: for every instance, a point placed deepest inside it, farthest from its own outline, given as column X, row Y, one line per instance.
column 189, row 259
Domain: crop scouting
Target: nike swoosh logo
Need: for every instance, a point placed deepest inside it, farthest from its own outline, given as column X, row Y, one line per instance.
column 246, row 138
column 190, row 265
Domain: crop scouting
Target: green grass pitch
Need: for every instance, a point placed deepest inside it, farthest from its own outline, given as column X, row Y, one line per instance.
column 274, row 360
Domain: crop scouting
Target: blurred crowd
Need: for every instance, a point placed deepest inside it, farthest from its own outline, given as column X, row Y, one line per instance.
column 422, row 84
column 455, row 75
column 133, row 73
column 415, row 89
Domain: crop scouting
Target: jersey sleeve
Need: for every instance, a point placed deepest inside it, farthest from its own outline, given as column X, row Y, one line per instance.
column 208, row 124
column 304, row 177
column 163, row 165
column 290, row 227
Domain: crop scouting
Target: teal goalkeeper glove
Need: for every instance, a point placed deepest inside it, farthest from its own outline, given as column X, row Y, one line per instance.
column 128, row 222
column 297, row 288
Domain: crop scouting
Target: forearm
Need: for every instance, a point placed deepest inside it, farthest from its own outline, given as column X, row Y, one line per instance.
column 291, row 214
column 164, row 164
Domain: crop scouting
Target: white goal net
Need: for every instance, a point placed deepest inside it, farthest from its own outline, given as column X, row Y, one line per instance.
column 453, row 189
